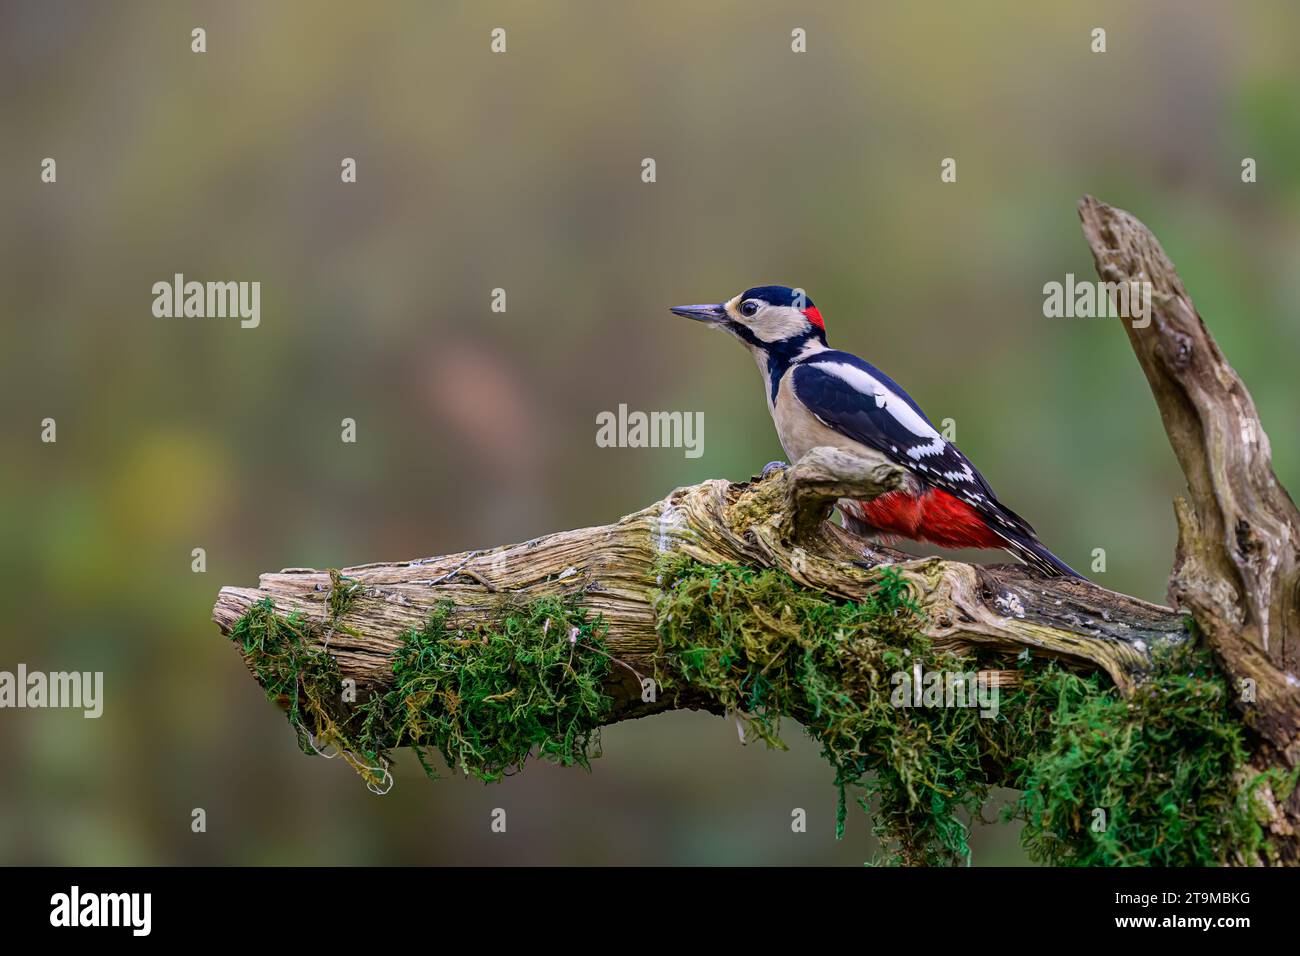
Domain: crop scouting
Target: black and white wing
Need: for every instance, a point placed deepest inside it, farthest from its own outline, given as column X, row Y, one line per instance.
column 860, row 402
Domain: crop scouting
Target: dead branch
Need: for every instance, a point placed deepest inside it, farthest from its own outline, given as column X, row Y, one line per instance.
column 1236, row 569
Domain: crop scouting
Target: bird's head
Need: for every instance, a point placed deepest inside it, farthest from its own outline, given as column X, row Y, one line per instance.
column 767, row 317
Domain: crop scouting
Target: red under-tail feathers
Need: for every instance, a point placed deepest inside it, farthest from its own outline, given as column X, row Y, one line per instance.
column 934, row 516
column 940, row 518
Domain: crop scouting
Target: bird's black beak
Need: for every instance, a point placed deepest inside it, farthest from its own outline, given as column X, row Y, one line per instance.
column 702, row 313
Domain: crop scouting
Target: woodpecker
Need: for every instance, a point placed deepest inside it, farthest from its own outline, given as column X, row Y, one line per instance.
column 819, row 396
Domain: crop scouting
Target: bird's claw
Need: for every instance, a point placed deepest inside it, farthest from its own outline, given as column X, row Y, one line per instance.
column 773, row 466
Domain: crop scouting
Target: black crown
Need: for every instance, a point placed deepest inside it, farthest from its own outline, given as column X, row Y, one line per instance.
column 779, row 295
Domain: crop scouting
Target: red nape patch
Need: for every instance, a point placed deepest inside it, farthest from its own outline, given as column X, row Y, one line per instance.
column 935, row 516
column 815, row 317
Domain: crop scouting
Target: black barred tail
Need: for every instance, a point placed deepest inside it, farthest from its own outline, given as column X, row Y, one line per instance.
column 1035, row 554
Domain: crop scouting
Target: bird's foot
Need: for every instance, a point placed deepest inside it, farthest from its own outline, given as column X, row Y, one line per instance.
column 773, row 466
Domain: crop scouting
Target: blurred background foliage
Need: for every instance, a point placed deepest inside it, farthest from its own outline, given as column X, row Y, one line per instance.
column 522, row 171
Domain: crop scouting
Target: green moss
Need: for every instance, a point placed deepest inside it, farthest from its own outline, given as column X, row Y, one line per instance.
column 343, row 593
column 1165, row 766
column 305, row 681
column 1157, row 778
column 485, row 695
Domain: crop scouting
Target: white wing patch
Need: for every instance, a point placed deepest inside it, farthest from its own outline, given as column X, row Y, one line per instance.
column 936, row 461
column 960, row 479
column 898, row 409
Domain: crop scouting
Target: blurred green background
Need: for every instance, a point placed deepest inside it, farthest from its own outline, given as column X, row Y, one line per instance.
column 522, row 171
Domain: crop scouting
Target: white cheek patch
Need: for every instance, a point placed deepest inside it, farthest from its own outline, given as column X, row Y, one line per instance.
column 776, row 323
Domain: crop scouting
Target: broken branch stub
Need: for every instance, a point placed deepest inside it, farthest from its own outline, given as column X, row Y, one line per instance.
column 1237, row 565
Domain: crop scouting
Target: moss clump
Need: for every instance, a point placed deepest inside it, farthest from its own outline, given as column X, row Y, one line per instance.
column 1158, row 778
column 487, row 697
column 484, row 695
column 1165, row 766
column 343, row 593
column 302, row 679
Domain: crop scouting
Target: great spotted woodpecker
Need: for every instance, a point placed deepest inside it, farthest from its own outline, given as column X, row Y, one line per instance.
column 819, row 396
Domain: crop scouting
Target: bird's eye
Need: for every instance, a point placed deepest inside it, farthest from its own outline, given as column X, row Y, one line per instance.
column 749, row 308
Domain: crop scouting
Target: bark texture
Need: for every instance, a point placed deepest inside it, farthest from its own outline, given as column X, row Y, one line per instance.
column 753, row 523
column 1235, row 571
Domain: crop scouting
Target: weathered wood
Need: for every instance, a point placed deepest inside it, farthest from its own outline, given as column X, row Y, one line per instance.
column 1236, row 570
column 1000, row 609
column 1237, row 565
